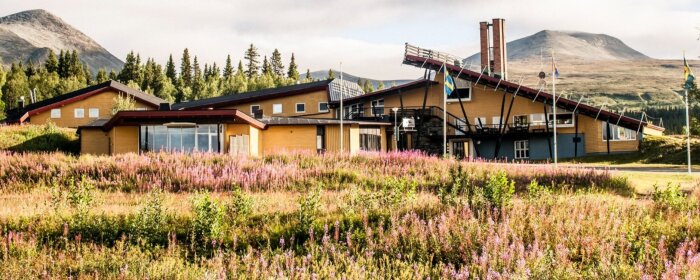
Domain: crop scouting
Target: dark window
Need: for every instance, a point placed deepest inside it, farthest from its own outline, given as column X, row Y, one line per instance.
column 320, row 139
column 370, row 139
column 463, row 93
column 301, row 107
column 323, row 107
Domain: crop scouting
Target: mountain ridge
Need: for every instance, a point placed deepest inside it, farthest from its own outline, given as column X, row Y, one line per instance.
column 29, row 35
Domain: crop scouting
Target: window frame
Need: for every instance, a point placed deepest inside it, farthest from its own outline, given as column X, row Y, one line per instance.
column 91, row 110
column 322, row 110
column 79, row 113
column 296, row 107
column 527, row 120
column 252, row 112
column 464, row 98
column 274, row 106
column 521, row 149
column 56, row 113
column 534, row 122
column 615, row 130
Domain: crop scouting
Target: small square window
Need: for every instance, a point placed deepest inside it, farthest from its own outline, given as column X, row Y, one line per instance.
column 55, row 113
column 323, row 106
column 79, row 113
column 277, row 108
column 94, row 113
column 254, row 108
column 301, row 107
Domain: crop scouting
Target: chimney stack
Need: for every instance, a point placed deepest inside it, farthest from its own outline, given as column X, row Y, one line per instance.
column 494, row 56
column 500, row 52
column 485, row 47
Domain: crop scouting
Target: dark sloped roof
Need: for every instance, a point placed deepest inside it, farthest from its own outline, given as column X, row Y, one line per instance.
column 233, row 99
column 144, row 117
column 303, row 121
column 389, row 91
column 537, row 95
column 16, row 114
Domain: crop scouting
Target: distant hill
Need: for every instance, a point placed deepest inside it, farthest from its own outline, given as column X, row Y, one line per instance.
column 28, row 36
column 567, row 45
column 323, row 74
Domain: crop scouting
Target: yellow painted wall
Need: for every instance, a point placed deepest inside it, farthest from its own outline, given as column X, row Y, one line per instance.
column 94, row 141
column 311, row 100
column 354, row 139
column 333, row 138
column 103, row 101
column 124, row 139
column 280, row 138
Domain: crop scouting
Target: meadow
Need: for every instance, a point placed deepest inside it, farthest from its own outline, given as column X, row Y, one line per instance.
column 304, row 216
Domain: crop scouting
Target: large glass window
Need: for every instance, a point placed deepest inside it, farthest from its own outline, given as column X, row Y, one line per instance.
column 618, row 133
column 370, row 139
column 198, row 138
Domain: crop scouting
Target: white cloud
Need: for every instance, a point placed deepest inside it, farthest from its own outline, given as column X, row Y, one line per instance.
column 366, row 35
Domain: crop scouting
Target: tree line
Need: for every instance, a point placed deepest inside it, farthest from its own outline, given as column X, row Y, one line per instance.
column 65, row 72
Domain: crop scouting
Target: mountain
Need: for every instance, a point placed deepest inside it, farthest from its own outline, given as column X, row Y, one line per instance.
column 323, row 74
column 568, row 45
column 28, row 36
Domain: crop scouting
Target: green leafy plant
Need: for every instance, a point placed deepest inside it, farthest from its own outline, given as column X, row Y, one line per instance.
column 498, row 190
column 208, row 217
column 309, row 205
column 150, row 220
column 670, row 197
column 240, row 206
column 537, row 191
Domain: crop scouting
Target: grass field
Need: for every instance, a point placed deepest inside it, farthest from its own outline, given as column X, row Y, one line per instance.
column 303, row 216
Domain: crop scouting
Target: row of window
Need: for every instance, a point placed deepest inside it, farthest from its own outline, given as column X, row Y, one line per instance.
column 298, row 108
column 619, row 133
column 78, row 113
column 563, row 120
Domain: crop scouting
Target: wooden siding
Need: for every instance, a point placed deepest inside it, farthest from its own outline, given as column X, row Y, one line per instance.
column 103, row 101
column 94, row 141
column 288, row 138
column 124, row 139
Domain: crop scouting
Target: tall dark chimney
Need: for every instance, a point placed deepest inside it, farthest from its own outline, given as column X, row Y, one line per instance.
column 485, row 47
column 500, row 52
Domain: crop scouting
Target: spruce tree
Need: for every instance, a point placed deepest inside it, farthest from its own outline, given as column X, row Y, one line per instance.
column 240, row 67
column 186, row 69
column 308, row 75
column 101, row 76
column 51, row 64
column 130, row 71
column 266, row 70
column 380, row 86
column 2, row 83
column 293, row 73
column 276, row 63
column 75, row 66
column 331, row 75
column 63, row 65
column 170, row 70
column 197, row 81
column 228, row 69
column 251, row 55
column 16, row 85
column 113, row 75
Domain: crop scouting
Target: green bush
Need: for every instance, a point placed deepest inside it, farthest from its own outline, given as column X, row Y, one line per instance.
column 240, row 206
column 39, row 138
column 208, row 218
column 150, row 220
column 498, row 190
column 537, row 191
column 309, row 205
column 670, row 198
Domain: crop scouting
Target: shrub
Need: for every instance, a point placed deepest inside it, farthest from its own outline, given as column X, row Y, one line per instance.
column 309, row 205
column 150, row 220
column 240, row 207
column 452, row 192
column 670, row 197
column 536, row 191
column 498, row 190
column 208, row 218
column 396, row 192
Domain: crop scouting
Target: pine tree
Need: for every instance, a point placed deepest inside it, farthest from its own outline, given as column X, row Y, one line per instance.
column 101, row 76
column 29, row 70
column 15, row 86
column 186, row 69
column 197, row 81
column 170, row 70
column 75, row 66
column 51, row 64
column 368, row 87
column 2, row 84
column 131, row 70
column 380, row 86
column 266, row 70
column 228, row 69
column 276, row 63
column 251, row 55
column 308, row 75
column 331, row 75
column 63, row 68
column 293, row 73
column 214, row 71
column 240, row 67
column 113, row 75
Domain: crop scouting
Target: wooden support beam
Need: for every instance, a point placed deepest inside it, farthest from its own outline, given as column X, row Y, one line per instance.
column 576, row 139
column 608, row 134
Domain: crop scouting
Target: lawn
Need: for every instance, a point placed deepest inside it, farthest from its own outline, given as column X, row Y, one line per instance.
column 303, row 216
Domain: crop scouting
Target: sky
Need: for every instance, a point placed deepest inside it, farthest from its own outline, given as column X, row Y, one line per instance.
column 367, row 36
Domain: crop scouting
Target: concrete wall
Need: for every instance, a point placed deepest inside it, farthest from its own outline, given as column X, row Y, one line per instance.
column 104, row 101
column 311, row 100
column 94, row 141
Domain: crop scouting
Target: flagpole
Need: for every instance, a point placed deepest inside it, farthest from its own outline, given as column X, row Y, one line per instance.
column 554, row 108
column 687, row 130
column 444, row 111
column 342, row 87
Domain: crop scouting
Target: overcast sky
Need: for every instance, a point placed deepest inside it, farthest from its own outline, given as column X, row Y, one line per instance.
column 368, row 36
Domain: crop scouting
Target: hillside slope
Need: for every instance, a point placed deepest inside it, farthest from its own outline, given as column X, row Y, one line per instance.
column 28, row 36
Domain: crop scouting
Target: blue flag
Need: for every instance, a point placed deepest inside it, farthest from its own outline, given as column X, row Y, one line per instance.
column 687, row 74
column 449, row 84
